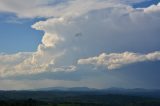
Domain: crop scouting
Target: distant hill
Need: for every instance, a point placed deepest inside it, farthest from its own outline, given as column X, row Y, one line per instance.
column 46, row 92
column 113, row 90
column 65, row 89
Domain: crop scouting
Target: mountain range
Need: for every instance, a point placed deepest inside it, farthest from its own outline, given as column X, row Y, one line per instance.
column 113, row 90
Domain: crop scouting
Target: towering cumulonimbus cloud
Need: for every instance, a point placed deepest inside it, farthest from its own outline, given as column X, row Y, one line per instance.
column 104, row 25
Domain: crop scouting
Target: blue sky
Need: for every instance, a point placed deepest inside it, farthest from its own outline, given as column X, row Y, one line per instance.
column 117, row 46
column 18, row 34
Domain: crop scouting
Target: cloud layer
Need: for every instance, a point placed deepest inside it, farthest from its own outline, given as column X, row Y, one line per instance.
column 50, row 8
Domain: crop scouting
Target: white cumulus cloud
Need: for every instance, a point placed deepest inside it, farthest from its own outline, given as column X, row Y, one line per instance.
column 117, row 60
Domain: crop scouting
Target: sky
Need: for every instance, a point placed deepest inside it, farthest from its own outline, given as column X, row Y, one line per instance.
column 79, row 43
